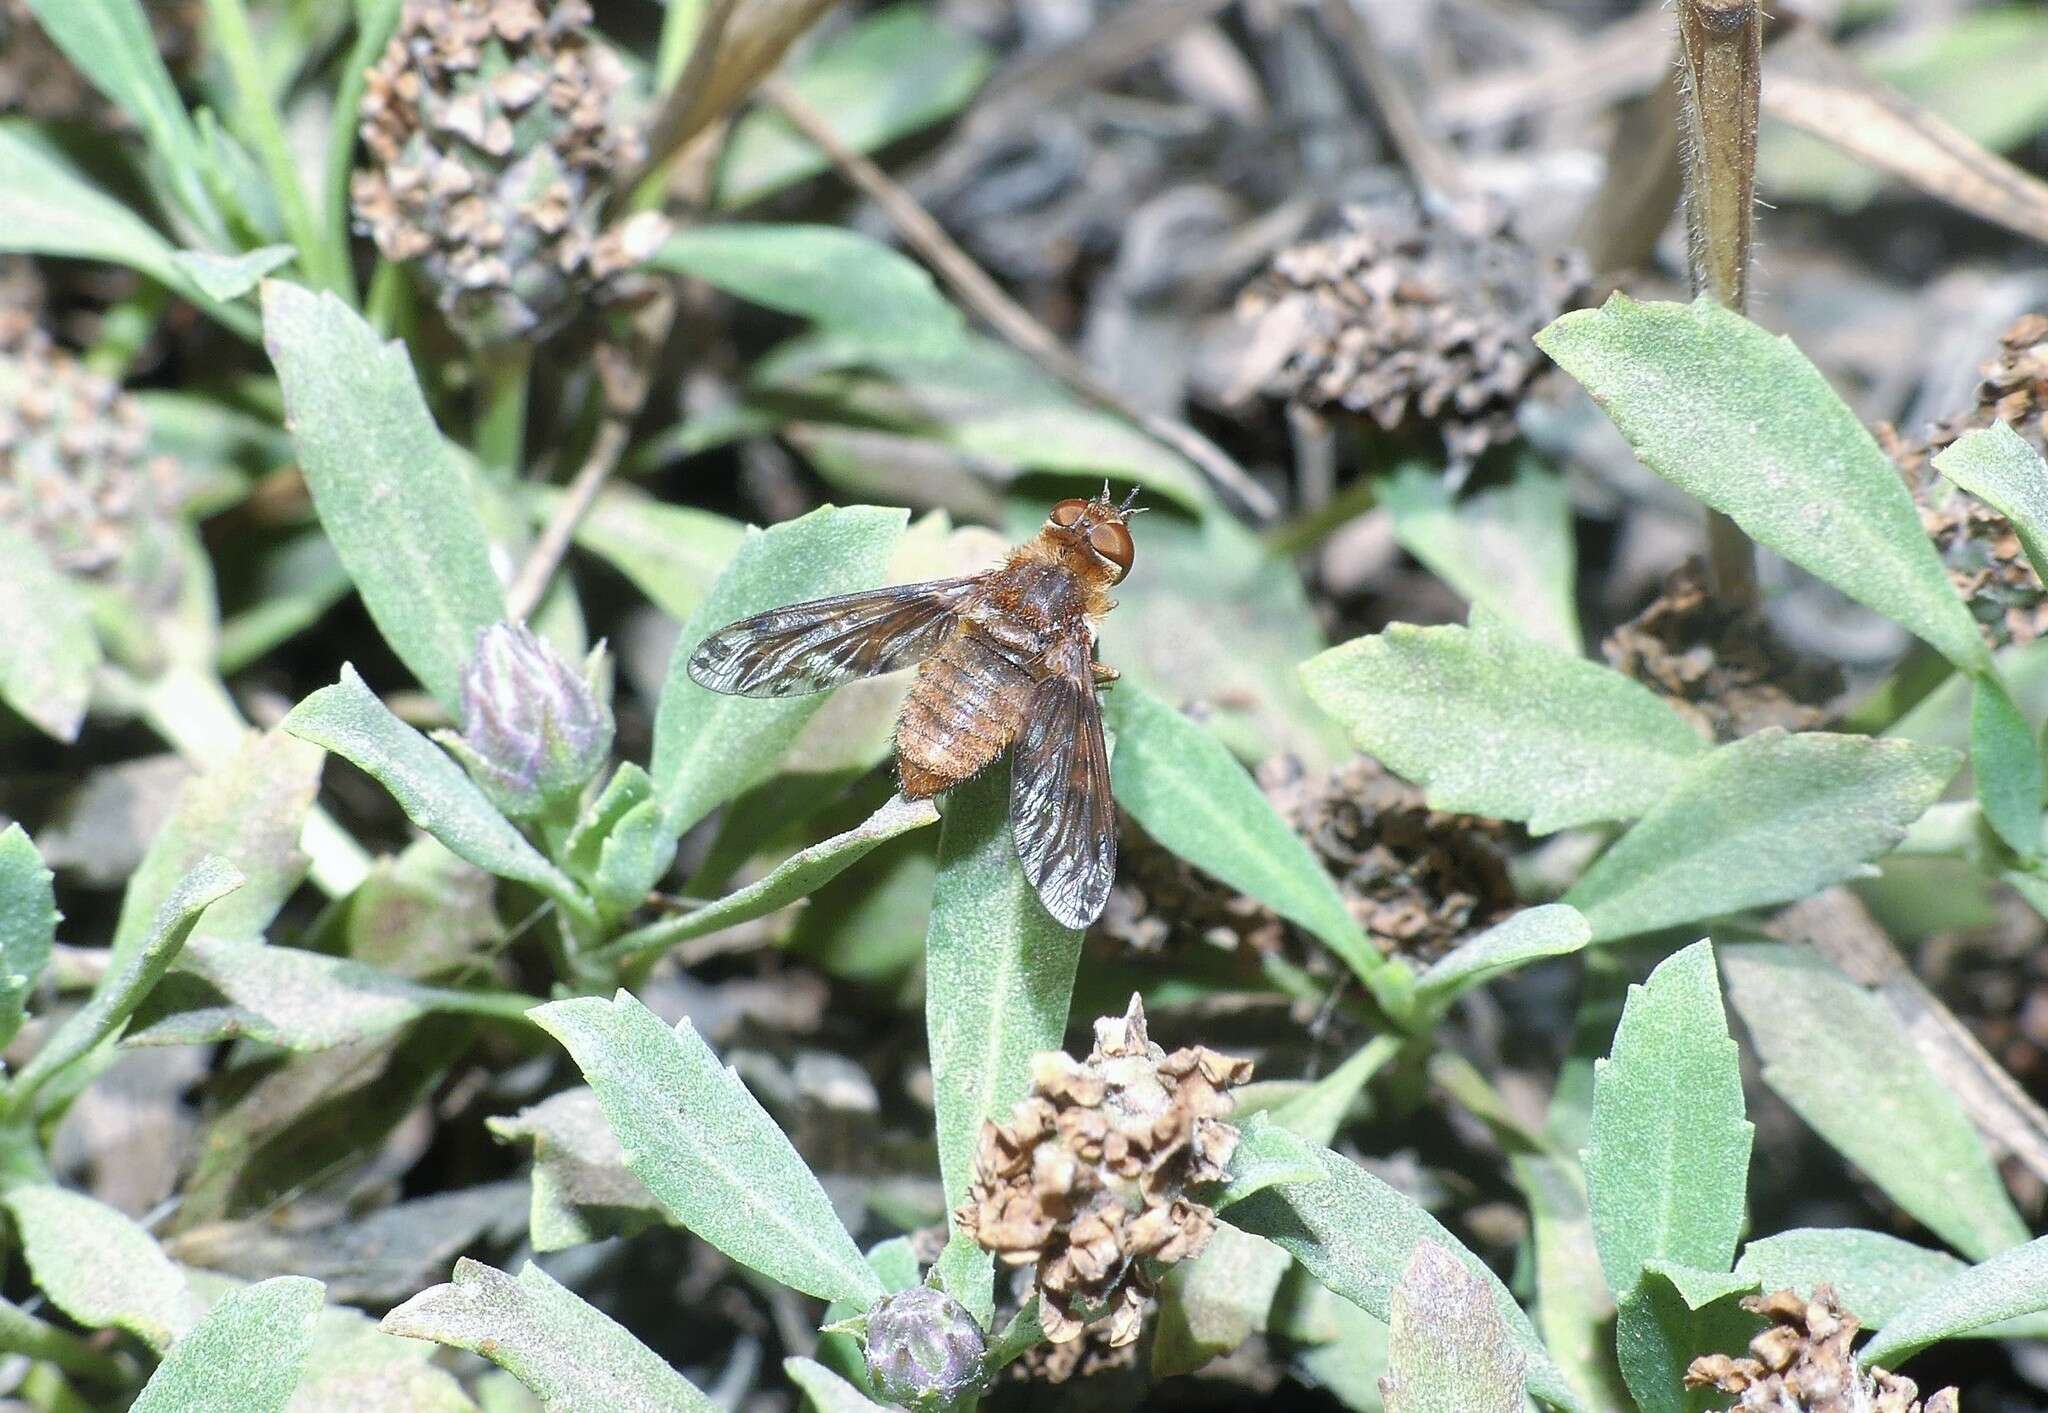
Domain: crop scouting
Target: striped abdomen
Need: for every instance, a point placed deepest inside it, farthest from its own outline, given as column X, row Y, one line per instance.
column 962, row 712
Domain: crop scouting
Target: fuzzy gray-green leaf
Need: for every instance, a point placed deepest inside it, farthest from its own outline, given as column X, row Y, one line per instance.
column 2009, row 1286
column 1667, row 1167
column 391, row 498
column 28, row 925
column 1448, row 1350
column 1875, row 1274
column 1839, row 1056
column 1766, row 819
column 1355, row 1234
column 706, row 1149
column 2005, row 761
column 49, row 653
column 1552, row 930
column 431, row 788
column 1191, row 795
column 708, row 747
column 1490, row 722
column 1740, row 419
column 574, row 1357
column 244, row 1357
column 1997, row 466
column 999, row 977
column 99, row 1267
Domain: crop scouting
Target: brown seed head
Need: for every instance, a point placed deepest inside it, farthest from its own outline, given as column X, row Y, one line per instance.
column 1803, row 1363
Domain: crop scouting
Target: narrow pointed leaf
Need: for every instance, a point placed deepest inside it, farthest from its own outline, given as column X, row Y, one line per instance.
column 709, row 747
column 391, row 498
column 428, row 785
column 1997, row 466
column 1490, row 722
column 28, row 925
column 244, row 1357
column 999, row 977
column 1875, row 1274
column 706, row 1149
column 574, row 1357
column 1532, row 934
column 2005, row 761
column 2010, row 1285
column 1880, row 1106
column 1667, row 1167
column 1766, row 819
column 1740, row 419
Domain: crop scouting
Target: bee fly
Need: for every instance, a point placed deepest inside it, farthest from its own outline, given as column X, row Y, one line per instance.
column 1005, row 660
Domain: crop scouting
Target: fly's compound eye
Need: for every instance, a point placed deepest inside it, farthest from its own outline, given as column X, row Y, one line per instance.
column 1067, row 512
column 1113, row 542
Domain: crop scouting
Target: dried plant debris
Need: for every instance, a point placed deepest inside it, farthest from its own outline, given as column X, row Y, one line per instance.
column 76, row 473
column 494, row 130
column 1724, row 669
column 1092, row 1178
column 37, row 80
column 1979, row 546
column 1412, row 315
column 1803, row 1363
column 1417, row 879
column 1085, row 1358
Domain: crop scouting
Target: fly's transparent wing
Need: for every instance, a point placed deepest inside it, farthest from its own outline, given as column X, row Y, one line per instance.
column 1061, row 810
column 808, row 647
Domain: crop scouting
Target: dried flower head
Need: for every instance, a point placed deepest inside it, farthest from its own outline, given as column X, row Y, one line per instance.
column 924, row 1349
column 76, row 475
column 1092, row 1178
column 1978, row 545
column 1802, row 1363
column 494, row 133
column 1410, row 315
column 535, row 731
column 1724, row 669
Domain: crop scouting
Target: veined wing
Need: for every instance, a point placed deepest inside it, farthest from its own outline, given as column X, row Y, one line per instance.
column 1061, row 810
column 808, row 647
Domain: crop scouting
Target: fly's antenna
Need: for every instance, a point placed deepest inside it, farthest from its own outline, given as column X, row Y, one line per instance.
column 1130, row 506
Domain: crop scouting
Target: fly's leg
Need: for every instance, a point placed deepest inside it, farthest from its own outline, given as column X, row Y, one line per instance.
column 1104, row 673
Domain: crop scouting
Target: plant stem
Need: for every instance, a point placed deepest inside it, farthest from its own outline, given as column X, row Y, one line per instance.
column 545, row 557
column 1721, row 48
column 1008, row 318
column 375, row 21
column 261, row 126
column 505, row 373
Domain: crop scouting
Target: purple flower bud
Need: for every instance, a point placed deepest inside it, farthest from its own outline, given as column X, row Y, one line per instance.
column 534, row 730
column 924, row 1350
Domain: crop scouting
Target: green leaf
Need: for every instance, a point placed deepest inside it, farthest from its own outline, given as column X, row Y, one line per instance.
column 672, row 553
column 50, row 652
column 1667, row 1165
column 1530, row 935
column 1999, row 467
column 999, row 978
column 389, row 494
column 1267, row 1155
column 798, row 876
column 1673, row 1314
column 1448, row 1351
column 2005, row 761
column 1489, row 722
column 1191, row 795
column 1355, row 1234
column 99, row 1267
column 1506, row 548
column 1740, row 419
column 244, row 1357
column 2009, row 1285
column 431, row 788
column 888, row 75
column 708, row 747
column 575, row 1358
column 1880, row 1105
column 835, row 278
column 28, row 925
column 827, row 1392
column 582, row 1188
column 354, row 1367
column 1876, row 1275
column 111, row 44
column 123, row 987
column 706, row 1149
column 226, row 277
column 298, row 1000
column 1766, row 819
column 250, row 810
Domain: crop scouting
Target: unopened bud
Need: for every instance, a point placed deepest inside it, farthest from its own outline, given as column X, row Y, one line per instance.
column 924, row 1350
column 534, row 730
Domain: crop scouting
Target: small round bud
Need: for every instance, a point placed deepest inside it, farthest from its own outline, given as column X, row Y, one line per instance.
column 924, row 1350
column 534, row 730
